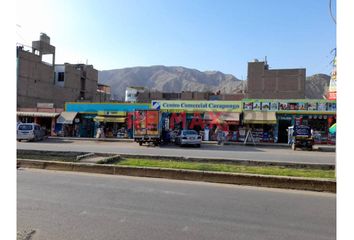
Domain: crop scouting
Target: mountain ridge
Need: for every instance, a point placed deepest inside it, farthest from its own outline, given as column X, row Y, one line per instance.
column 178, row 78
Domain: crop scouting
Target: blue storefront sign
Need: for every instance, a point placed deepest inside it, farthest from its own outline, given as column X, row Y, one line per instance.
column 97, row 107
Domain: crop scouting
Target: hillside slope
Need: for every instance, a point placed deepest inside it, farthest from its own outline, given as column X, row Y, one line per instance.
column 178, row 79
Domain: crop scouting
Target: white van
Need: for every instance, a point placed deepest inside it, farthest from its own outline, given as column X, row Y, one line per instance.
column 30, row 131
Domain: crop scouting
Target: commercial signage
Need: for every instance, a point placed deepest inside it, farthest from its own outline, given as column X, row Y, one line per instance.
column 302, row 105
column 112, row 113
column 45, row 105
column 198, row 106
column 94, row 108
column 146, row 123
column 332, row 91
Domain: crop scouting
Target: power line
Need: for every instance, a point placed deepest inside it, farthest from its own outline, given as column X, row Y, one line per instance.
column 330, row 11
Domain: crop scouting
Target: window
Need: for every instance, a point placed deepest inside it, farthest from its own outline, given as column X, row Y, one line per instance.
column 25, row 127
column 60, row 76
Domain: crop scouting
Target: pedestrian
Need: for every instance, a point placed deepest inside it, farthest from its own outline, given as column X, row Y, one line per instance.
column 219, row 135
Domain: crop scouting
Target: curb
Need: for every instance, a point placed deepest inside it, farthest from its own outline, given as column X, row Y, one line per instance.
column 247, row 162
column 191, row 175
column 275, row 145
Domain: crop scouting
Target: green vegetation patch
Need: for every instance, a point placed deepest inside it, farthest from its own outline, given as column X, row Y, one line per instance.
column 48, row 155
column 229, row 168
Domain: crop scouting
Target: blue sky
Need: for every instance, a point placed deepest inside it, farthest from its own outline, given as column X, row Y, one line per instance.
column 203, row 34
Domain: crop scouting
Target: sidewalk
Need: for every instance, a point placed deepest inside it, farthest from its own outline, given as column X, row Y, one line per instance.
column 319, row 147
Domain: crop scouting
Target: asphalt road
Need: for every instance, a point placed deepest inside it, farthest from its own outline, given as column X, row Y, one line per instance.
column 279, row 154
column 62, row 205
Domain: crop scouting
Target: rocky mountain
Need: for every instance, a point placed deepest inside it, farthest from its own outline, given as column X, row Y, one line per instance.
column 178, row 79
column 316, row 86
column 168, row 79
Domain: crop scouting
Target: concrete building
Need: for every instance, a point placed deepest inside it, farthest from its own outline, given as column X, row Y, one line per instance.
column 147, row 96
column 40, row 81
column 265, row 83
column 131, row 93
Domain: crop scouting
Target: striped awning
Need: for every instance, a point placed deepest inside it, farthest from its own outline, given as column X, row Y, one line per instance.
column 259, row 117
column 37, row 114
column 66, row 117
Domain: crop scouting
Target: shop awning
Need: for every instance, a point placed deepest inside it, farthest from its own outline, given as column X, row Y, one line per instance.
column 225, row 116
column 109, row 119
column 66, row 117
column 37, row 114
column 230, row 116
column 259, row 118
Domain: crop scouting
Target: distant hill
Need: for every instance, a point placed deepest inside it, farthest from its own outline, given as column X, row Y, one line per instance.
column 178, row 79
column 168, row 79
column 316, row 86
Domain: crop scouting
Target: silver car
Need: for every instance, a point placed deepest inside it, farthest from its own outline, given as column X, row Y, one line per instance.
column 30, row 132
column 189, row 137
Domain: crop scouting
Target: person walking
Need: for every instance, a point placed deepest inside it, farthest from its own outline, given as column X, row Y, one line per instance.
column 219, row 135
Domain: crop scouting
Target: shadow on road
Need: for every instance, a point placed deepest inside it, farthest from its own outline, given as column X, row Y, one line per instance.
column 54, row 141
column 212, row 147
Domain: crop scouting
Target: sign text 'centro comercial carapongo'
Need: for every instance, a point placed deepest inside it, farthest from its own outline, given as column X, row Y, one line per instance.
column 197, row 106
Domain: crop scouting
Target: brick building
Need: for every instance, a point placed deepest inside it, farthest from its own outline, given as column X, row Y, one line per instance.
column 39, row 81
column 43, row 87
column 265, row 83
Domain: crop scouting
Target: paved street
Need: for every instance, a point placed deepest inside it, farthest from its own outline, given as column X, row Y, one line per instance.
column 279, row 154
column 61, row 205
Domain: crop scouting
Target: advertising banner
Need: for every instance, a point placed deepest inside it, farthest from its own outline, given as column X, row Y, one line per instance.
column 152, row 122
column 274, row 106
column 332, row 91
column 265, row 106
column 146, row 122
column 293, row 106
column 197, row 106
column 302, row 106
column 288, row 105
column 283, row 106
column 248, row 106
column 256, row 106
column 312, row 106
column 332, row 107
column 321, row 107
column 139, row 123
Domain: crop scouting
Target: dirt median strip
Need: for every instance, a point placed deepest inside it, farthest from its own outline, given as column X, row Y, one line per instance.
column 33, row 154
column 192, row 175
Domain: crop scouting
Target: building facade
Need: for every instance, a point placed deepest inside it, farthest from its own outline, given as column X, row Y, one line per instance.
column 268, row 120
column 265, row 83
column 40, row 81
column 148, row 96
column 132, row 93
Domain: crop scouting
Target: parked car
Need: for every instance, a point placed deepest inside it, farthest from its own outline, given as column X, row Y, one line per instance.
column 30, row 132
column 189, row 137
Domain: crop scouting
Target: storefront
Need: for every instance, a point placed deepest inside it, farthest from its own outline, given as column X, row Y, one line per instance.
column 268, row 120
column 114, row 124
column 67, row 125
column 202, row 116
column 318, row 114
column 261, row 125
column 45, row 119
column 114, row 118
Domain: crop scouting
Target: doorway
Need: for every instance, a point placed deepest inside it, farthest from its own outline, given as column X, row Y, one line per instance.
column 282, row 130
